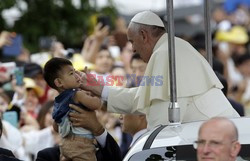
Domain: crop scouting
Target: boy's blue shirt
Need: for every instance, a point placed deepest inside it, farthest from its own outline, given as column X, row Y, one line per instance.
column 61, row 104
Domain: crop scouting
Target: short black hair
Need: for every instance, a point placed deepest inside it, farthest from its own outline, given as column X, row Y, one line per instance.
column 52, row 69
column 136, row 56
column 32, row 69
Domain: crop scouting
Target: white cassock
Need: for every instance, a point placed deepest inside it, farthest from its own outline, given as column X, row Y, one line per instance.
column 198, row 88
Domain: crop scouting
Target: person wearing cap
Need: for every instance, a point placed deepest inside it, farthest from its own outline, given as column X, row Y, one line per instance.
column 27, row 96
column 198, row 89
column 232, row 44
column 35, row 71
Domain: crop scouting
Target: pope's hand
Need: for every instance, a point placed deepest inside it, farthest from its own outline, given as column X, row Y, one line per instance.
column 89, row 82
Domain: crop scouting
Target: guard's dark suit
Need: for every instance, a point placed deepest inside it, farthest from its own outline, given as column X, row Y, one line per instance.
column 7, row 155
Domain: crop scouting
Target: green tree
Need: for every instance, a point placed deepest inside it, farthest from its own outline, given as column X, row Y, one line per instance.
column 59, row 18
column 5, row 5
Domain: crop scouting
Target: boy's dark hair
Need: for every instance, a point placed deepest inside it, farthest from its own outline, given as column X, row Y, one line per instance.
column 136, row 56
column 52, row 69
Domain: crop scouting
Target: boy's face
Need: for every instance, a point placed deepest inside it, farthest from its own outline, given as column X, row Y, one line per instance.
column 68, row 78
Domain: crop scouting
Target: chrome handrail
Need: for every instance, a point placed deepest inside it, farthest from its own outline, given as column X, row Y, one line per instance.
column 208, row 39
column 174, row 109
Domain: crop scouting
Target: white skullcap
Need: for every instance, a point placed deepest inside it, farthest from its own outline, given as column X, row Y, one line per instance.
column 148, row 18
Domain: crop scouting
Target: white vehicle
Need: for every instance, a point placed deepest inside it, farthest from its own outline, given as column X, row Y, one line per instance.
column 165, row 143
column 175, row 141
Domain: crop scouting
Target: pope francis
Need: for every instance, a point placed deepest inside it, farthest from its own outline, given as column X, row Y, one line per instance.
column 198, row 89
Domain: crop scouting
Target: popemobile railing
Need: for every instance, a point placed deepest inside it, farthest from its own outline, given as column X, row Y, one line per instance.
column 174, row 108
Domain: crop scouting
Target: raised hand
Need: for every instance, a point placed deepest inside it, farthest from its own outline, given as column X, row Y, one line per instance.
column 93, row 43
column 5, row 38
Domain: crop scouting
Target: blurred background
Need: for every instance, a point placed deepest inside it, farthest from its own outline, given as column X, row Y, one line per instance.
column 92, row 33
column 70, row 21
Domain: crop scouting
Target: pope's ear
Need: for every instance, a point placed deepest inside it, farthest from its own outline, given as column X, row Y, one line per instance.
column 58, row 82
column 144, row 34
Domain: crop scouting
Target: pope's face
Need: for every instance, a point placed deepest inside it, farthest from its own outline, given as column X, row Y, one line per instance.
column 138, row 44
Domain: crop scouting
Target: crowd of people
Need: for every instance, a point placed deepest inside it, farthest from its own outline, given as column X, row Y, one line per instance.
column 126, row 74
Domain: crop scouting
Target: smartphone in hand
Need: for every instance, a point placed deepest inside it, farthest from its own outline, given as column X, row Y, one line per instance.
column 11, row 117
column 15, row 48
column 104, row 20
column 19, row 73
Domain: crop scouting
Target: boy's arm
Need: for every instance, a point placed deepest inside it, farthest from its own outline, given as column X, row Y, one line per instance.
column 91, row 102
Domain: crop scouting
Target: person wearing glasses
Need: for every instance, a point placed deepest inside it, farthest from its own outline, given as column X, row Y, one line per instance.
column 217, row 140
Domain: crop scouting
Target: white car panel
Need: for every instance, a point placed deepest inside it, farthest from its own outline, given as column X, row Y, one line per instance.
column 185, row 134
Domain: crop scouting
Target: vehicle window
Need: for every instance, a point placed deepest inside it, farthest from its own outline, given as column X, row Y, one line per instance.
column 185, row 152
column 244, row 152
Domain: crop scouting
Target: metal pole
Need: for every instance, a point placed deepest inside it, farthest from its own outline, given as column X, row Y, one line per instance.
column 174, row 109
column 206, row 6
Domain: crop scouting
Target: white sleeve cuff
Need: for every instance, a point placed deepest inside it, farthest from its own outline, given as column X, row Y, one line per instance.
column 101, row 139
column 105, row 93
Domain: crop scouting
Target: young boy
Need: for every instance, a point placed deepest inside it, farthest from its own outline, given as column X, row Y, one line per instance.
column 77, row 143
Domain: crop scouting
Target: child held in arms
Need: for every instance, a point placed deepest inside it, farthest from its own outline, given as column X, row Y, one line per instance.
column 77, row 143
